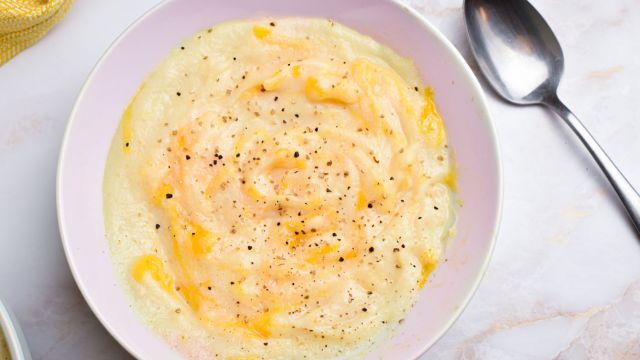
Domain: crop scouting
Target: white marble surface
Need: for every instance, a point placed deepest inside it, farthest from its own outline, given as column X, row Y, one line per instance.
column 565, row 278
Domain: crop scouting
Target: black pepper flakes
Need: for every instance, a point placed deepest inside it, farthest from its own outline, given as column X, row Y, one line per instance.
column 178, row 93
column 341, row 259
column 187, row 157
column 371, row 249
column 157, row 226
column 168, row 195
column 249, row 247
column 296, row 154
column 364, row 309
column 369, row 205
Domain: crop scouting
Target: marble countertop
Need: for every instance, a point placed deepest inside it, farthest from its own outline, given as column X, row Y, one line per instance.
column 564, row 281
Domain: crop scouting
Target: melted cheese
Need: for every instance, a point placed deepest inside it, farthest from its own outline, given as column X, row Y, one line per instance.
column 152, row 265
column 281, row 199
column 261, row 32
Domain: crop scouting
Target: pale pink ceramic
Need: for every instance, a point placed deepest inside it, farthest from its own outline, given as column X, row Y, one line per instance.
column 118, row 74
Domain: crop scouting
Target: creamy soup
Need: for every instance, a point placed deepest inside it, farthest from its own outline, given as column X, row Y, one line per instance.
column 278, row 189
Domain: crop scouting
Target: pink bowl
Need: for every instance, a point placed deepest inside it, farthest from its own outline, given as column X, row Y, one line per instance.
column 141, row 47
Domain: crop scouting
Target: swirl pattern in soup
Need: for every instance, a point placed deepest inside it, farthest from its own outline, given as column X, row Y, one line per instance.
column 278, row 188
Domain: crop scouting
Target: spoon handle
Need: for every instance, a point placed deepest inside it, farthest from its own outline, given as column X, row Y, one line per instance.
column 626, row 192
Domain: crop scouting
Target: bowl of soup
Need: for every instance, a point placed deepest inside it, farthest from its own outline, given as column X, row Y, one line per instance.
column 279, row 180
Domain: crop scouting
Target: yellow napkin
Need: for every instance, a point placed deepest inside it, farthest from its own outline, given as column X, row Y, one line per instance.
column 23, row 22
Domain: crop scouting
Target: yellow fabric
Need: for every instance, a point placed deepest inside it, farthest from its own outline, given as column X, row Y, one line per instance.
column 23, row 22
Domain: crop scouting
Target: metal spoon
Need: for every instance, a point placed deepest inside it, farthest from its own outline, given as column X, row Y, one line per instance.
column 522, row 59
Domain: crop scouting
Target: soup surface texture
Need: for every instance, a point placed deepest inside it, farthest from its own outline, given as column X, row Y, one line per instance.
column 278, row 189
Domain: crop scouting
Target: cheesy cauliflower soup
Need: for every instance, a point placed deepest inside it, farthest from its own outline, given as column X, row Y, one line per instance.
column 278, row 189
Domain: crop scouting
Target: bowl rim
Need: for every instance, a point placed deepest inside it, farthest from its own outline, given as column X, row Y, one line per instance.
column 13, row 335
column 474, row 87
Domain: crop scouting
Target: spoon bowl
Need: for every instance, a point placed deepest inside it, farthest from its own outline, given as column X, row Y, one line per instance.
column 511, row 40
